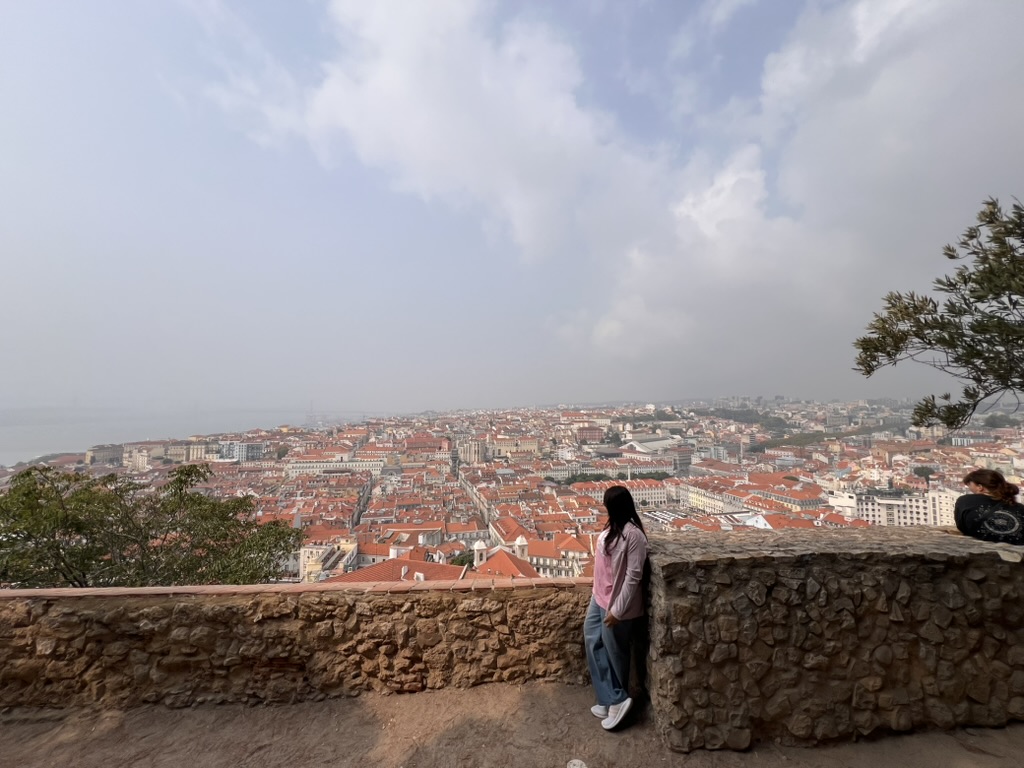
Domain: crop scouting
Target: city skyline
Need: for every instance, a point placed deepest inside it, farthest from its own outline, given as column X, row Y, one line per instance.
column 27, row 434
column 405, row 207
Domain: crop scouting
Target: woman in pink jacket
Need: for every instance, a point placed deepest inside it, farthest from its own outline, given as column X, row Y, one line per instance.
column 617, row 602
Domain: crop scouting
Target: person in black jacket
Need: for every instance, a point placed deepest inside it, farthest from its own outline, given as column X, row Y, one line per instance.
column 990, row 511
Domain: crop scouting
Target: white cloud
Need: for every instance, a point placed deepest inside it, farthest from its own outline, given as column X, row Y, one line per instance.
column 457, row 112
column 718, row 13
column 858, row 149
column 883, row 133
column 836, row 54
column 710, row 18
column 254, row 84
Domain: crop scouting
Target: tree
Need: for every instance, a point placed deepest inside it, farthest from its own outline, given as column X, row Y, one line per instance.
column 999, row 420
column 926, row 473
column 61, row 529
column 463, row 558
column 976, row 334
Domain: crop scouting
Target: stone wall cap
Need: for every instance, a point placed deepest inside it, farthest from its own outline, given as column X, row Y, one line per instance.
column 878, row 541
column 363, row 587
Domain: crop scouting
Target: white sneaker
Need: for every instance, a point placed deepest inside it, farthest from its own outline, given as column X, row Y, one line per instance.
column 615, row 714
column 599, row 711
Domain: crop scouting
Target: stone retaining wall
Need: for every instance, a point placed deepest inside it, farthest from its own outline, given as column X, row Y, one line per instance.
column 804, row 638
column 125, row 647
column 815, row 636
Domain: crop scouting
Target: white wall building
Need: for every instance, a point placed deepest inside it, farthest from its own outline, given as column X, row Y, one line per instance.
column 327, row 466
column 931, row 508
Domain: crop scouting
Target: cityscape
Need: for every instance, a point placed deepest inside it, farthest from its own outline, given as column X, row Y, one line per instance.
column 516, row 493
column 484, row 383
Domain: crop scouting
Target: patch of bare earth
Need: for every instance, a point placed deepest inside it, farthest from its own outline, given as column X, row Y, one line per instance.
column 493, row 726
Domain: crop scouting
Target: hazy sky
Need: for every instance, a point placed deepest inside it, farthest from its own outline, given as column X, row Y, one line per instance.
column 410, row 205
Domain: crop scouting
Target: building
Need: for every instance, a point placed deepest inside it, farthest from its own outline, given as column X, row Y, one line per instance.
column 898, row 508
column 590, row 434
column 236, row 450
column 329, row 466
column 105, row 454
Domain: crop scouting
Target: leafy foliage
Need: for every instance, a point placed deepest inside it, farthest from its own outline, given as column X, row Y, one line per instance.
column 661, row 414
column 976, row 334
column 801, row 439
column 594, row 478
column 999, row 420
column 61, row 529
column 748, row 416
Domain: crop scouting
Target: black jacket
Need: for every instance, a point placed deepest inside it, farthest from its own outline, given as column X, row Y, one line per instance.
column 987, row 519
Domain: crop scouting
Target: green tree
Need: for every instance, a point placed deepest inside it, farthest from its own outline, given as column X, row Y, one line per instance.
column 748, row 416
column 463, row 558
column 585, row 478
column 998, row 420
column 976, row 333
column 650, row 475
column 60, row 529
column 926, row 473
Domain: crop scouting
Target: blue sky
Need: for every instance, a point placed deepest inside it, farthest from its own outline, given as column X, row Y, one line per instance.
column 402, row 206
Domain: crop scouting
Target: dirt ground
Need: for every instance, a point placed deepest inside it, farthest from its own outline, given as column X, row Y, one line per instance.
column 495, row 726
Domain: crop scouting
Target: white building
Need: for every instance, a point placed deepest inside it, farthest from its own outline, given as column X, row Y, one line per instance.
column 931, row 508
column 298, row 467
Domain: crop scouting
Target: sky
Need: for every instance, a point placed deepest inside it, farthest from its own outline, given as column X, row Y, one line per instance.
column 399, row 206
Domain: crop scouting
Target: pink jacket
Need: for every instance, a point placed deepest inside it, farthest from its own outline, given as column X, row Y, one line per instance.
column 617, row 577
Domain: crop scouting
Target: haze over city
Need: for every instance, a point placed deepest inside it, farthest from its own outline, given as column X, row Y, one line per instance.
column 393, row 207
column 365, row 347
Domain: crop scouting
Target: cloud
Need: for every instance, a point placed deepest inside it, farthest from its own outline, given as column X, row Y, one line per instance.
column 710, row 19
column 876, row 133
column 253, row 83
column 856, row 163
column 718, row 13
column 477, row 117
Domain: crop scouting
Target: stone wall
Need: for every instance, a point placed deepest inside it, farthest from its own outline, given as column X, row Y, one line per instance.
column 810, row 637
column 802, row 637
column 179, row 646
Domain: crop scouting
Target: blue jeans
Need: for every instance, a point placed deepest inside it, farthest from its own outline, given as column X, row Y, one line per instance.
column 607, row 655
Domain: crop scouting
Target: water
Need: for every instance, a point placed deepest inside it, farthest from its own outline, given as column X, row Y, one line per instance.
column 26, row 433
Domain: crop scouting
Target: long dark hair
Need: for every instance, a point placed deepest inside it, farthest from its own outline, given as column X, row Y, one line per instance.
column 621, row 510
column 996, row 485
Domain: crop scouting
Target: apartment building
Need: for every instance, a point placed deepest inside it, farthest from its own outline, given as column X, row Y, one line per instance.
column 895, row 508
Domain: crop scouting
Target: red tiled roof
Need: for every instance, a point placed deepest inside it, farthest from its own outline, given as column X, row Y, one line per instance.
column 502, row 564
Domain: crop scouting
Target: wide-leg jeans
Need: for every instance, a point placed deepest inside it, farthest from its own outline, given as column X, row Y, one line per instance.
column 608, row 655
